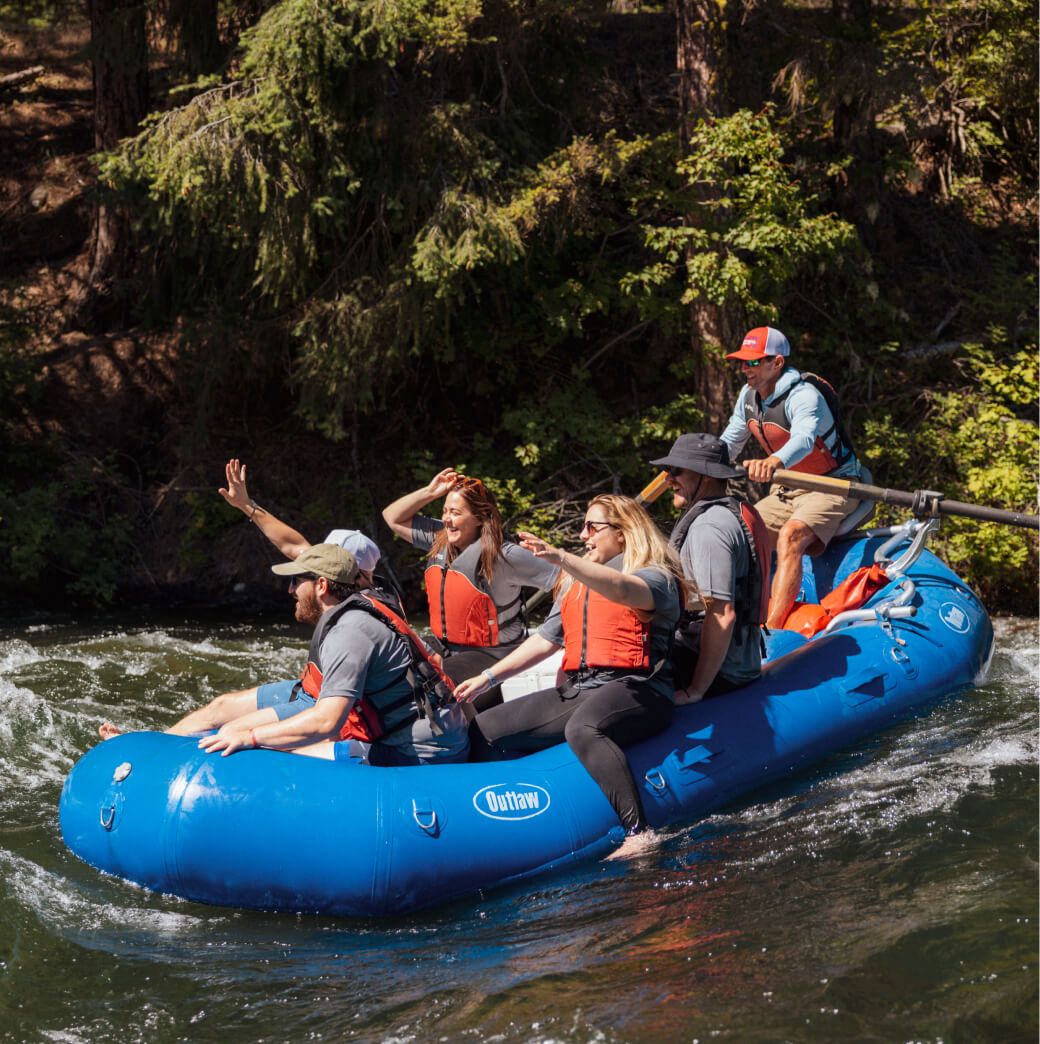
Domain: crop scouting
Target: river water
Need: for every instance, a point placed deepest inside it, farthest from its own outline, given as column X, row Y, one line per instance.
column 889, row 895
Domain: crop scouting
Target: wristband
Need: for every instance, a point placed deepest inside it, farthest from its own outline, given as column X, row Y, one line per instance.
column 490, row 677
column 252, row 737
column 253, row 505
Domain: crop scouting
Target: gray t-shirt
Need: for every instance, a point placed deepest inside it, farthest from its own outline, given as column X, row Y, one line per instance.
column 516, row 568
column 715, row 556
column 362, row 655
column 665, row 592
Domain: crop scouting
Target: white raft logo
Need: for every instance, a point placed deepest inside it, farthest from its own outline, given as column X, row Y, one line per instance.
column 511, row 801
column 954, row 617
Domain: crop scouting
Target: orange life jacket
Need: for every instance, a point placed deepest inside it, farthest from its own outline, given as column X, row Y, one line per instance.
column 808, row 618
column 378, row 713
column 460, row 612
column 599, row 633
column 772, row 430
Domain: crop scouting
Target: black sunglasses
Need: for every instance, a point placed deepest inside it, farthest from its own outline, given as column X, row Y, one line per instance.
column 595, row 527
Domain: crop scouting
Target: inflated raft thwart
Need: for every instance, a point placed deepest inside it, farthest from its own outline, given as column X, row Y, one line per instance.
column 278, row 831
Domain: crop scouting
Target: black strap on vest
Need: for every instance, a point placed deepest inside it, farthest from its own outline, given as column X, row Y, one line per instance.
column 428, row 692
column 748, row 592
column 755, row 409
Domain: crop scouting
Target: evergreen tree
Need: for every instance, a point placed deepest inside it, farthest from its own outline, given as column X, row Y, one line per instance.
column 119, row 58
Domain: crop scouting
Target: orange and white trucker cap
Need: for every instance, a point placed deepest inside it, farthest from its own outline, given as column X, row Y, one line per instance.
column 760, row 342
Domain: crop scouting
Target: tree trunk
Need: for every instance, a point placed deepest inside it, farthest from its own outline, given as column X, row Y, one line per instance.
column 701, row 47
column 119, row 53
column 700, row 36
column 196, row 23
column 859, row 190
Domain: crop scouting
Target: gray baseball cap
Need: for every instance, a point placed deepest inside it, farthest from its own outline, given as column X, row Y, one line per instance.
column 366, row 551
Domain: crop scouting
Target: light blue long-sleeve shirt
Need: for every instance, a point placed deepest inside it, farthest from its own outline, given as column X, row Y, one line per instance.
column 808, row 416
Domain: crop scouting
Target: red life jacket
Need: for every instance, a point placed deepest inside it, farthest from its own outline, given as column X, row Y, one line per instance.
column 378, row 713
column 599, row 633
column 770, row 426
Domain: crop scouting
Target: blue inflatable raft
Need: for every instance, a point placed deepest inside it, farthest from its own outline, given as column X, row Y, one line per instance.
column 276, row 831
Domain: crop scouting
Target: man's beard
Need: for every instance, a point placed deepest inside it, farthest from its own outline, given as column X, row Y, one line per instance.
column 308, row 608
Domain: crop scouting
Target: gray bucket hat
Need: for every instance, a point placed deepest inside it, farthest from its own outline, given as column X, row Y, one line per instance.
column 704, row 454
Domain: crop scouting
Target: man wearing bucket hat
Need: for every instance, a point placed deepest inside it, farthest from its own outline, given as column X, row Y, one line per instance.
column 359, row 679
column 717, row 647
column 796, row 420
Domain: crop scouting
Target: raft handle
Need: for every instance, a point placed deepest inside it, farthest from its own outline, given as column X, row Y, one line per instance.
column 882, row 614
column 106, row 821
column 660, row 784
column 431, row 827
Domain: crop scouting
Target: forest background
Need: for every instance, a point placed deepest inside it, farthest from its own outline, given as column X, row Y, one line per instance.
column 354, row 241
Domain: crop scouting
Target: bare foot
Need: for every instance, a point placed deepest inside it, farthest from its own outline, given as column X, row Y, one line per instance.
column 636, row 845
column 108, row 730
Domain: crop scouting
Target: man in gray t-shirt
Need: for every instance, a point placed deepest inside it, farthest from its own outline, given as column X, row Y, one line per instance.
column 357, row 665
column 361, row 655
column 721, row 651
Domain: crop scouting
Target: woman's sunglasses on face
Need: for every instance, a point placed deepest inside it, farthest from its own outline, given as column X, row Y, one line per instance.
column 595, row 527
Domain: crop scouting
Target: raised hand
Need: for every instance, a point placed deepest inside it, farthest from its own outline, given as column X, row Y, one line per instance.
column 442, row 483
column 236, row 493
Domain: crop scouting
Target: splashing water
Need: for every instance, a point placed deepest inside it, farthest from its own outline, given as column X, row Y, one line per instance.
column 889, row 893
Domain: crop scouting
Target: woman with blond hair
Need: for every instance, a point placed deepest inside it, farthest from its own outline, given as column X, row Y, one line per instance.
column 614, row 616
column 474, row 574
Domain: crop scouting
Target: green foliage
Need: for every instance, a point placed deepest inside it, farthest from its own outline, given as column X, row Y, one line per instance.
column 65, row 538
column 976, row 443
column 65, row 524
column 465, row 231
column 210, row 518
column 752, row 228
column 38, row 14
column 963, row 82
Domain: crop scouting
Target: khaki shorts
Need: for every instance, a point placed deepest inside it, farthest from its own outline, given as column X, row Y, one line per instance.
column 821, row 512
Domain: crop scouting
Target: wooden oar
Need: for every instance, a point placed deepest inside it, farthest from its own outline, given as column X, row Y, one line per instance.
column 647, row 495
column 923, row 503
column 652, row 490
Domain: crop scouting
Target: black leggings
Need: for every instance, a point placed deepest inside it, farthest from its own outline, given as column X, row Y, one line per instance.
column 466, row 663
column 596, row 723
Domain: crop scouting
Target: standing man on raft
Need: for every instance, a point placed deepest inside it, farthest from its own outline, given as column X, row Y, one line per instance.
column 789, row 417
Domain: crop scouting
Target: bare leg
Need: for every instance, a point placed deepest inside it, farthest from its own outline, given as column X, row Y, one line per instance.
column 224, row 708
column 791, row 544
column 218, row 712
